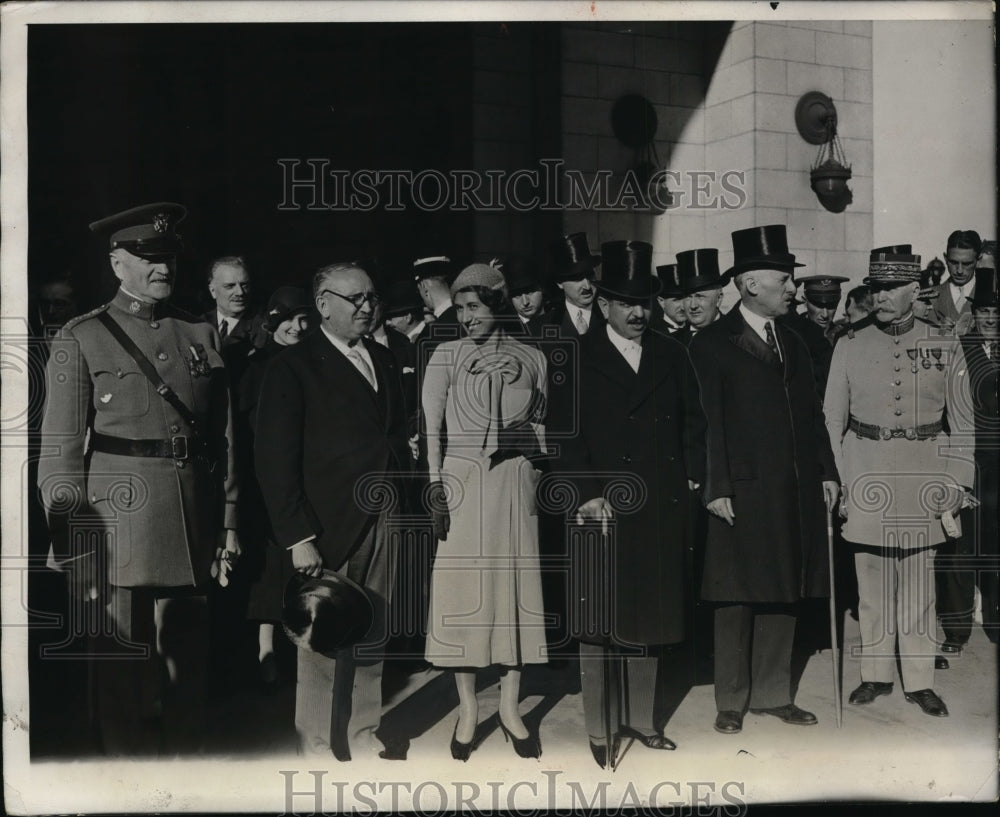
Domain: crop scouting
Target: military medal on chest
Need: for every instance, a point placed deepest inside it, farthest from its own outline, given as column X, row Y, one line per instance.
column 912, row 355
column 198, row 362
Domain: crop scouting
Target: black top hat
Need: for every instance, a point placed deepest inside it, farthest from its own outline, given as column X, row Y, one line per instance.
column 985, row 293
column 628, row 270
column 671, row 285
column 149, row 231
column 822, row 290
column 520, row 273
column 399, row 297
column 285, row 302
column 326, row 613
column 433, row 265
column 571, row 258
column 698, row 270
column 761, row 248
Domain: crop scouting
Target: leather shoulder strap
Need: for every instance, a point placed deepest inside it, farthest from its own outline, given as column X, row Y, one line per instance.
column 148, row 369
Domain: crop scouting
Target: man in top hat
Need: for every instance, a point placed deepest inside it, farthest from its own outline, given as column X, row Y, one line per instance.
column 140, row 493
column 639, row 416
column 527, row 294
column 670, row 299
column 771, row 479
column 982, row 354
column 702, row 285
column 905, row 477
column 950, row 302
column 331, row 430
column 573, row 271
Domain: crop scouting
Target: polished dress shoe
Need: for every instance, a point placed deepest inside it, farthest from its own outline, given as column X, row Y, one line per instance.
column 649, row 741
column 951, row 647
column 928, row 701
column 600, row 751
column 729, row 722
column 940, row 662
column 789, row 713
column 869, row 691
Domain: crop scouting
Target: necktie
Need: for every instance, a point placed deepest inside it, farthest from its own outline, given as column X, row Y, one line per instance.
column 772, row 341
column 993, row 349
column 581, row 325
column 633, row 353
column 224, row 329
column 361, row 365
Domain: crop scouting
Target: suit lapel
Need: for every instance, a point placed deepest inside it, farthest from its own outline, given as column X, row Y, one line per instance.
column 786, row 341
column 609, row 361
column 749, row 341
column 654, row 368
column 345, row 376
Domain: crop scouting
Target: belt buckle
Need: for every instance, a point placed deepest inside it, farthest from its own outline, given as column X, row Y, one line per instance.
column 886, row 433
column 179, row 447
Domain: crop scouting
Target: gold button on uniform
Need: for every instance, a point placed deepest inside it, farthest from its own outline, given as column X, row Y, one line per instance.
column 161, row 356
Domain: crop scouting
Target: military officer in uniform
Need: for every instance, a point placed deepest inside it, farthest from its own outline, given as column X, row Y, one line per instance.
column 138, row 485
column 815, row 325
column 905, row 477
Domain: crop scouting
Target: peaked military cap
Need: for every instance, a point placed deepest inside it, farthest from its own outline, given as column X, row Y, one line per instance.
column 149, row 231
column 893, row 265
column 822, row 290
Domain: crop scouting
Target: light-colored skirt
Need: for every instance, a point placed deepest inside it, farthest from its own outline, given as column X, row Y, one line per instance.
column 486, row 591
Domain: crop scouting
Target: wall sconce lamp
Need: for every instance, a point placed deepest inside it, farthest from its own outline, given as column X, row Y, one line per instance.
column 633, row 119
column 816, row 119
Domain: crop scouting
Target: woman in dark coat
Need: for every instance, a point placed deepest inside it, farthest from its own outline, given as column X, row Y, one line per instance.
column 287, row 321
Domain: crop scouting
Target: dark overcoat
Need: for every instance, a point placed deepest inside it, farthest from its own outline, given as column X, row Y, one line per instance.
column 641, row 438
column 325, row 442
column 768, row 450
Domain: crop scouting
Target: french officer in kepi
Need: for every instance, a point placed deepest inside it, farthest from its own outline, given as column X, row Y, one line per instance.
column 139, row 488
column 905, row 476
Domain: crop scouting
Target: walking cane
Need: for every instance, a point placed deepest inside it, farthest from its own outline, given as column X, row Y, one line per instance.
column 609, row 662
column 834, row 651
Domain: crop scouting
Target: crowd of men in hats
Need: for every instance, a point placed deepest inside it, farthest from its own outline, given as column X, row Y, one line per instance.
column 711, row 452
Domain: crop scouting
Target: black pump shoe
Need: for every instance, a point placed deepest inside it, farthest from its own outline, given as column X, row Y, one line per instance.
column 459, row 750
column 525, row 747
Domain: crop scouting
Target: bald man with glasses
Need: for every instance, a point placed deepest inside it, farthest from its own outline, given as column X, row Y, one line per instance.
column 331, row 418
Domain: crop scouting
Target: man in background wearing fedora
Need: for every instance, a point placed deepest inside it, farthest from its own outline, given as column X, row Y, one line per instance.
column 701, row 284
column 770, row 474
column 639, row 414
column 905, row 475
column 573, row 271
column 669, row 316
column 331, row 431
column 527, row 294
column 139, row 418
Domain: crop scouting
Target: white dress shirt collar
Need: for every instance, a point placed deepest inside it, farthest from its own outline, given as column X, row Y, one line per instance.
column 346, row 351
column 756, row 322
column 631, row 350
